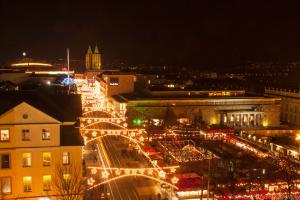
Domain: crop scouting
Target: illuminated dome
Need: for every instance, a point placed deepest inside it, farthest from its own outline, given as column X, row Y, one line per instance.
column 27, row 62
column 31, row 64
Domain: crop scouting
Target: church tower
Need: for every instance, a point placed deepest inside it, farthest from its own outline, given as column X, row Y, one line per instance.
column 88, row 59
column 96, row 59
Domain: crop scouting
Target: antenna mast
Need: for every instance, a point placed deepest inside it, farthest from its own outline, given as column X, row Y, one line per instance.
column 68, row 61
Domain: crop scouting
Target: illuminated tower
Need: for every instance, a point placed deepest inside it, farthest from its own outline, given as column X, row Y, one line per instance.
column 88, row 59
column 96, row 59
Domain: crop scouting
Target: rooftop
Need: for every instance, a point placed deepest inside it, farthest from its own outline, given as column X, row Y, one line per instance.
column 123, row 98
column 65, row 108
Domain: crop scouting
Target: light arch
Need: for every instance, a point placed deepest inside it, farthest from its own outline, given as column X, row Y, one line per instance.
column 135, row 175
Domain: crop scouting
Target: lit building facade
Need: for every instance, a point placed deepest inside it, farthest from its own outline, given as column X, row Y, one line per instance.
column 33, row 143
column 290, row 104
column 93, row 59
column 116, row 83
column 235, row 111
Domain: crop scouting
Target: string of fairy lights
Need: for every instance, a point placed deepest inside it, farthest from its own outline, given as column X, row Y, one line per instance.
column 94, row 101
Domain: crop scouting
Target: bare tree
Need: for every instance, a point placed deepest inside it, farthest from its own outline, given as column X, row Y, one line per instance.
column 68, row 182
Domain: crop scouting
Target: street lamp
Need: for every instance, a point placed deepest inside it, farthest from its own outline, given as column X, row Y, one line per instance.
column 298, row 139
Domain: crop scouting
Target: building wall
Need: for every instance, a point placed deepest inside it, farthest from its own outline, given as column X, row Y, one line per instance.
column 88, row 61
column 290, row 105
column 35, row 121
column 96, row 61
column 37, row 170
column 125, row 84
column 208, row 110
column 35, row 135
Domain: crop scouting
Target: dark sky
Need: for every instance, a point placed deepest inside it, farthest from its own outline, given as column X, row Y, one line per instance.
column 200, row 33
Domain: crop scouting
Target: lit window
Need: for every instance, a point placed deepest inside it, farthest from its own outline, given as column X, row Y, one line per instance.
column 26, row 159
column 66, row 177
column 4, row 135
column 25, row 135
column 231, row 118
column 47, row 182
column 225, row 118
column 27, row 183
column 114, row 81
column 46, row 158
column 66, row 158
column 5, row 162
column 46, row 135
column 5, row 185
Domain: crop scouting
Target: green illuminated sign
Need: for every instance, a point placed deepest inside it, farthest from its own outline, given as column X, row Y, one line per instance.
column 137, row 122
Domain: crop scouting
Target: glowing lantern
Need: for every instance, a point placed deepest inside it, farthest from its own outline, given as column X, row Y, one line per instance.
column 94, row 171
column 94, row 133
column 134, row 171
column 173, row 170
column 174, row 180
column 162, row 174
column 91, row 181
column 150, row 171
column 117, row 172
column 105, row 174
column 142, row 139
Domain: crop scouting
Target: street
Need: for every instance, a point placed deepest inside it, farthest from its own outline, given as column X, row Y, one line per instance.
column 109, row 155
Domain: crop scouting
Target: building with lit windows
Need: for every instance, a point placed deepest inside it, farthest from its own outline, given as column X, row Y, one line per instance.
column 230, row 108
column 115, row 82
column 37, row 134
column 290, row 104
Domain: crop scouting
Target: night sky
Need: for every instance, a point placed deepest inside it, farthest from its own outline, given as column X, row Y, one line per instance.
column 199, row 33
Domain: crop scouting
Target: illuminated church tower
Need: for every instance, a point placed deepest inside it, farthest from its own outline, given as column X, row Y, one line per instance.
column 93, row 59
column 96, row 59
column 88, row 59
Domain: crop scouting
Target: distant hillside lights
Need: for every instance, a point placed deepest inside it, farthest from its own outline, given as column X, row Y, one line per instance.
column 93, row 59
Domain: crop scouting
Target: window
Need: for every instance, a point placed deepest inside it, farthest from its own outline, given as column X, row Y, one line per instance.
column 5, row 185
column 4, row 135
column 26, row 159
column 46, row 135
column 27, row 183
column 47, row 182
column 66, row 177
column 114, row 81
column 5, row 162
column 25, row 135
column 66, row 158
column 46, row 158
